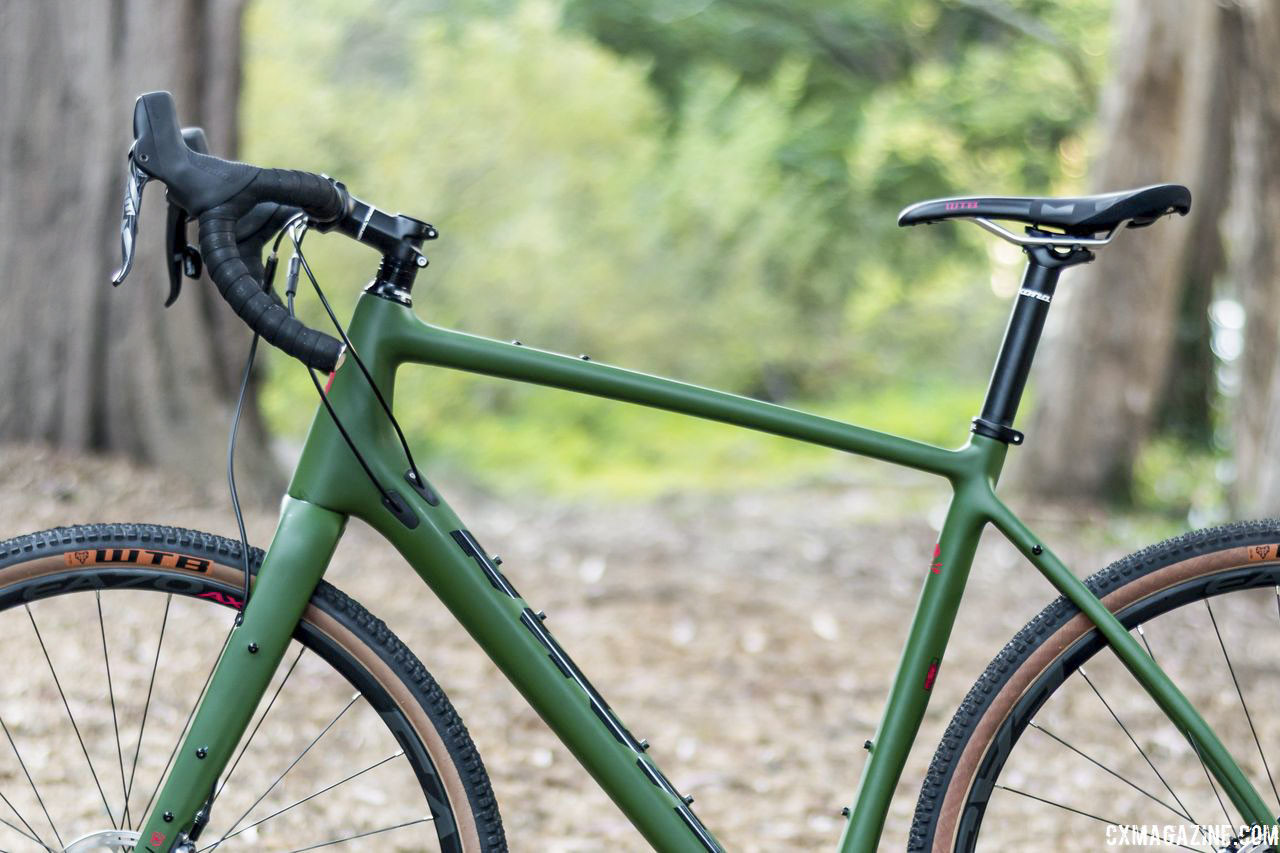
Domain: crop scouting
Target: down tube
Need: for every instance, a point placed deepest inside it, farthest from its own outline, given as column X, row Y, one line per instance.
column 468, row 581
column 918, row 667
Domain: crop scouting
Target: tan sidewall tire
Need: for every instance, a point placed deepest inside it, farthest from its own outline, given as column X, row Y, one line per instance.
column 332, row 629
column 1047, row 654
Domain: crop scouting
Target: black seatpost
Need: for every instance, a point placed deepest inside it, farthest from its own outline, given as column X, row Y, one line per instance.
column 1021, row 337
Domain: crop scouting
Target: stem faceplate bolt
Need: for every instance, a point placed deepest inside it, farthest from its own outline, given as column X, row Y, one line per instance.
column 168, row 817
column 202, row 752
column 1037, row 550
column 253, row 648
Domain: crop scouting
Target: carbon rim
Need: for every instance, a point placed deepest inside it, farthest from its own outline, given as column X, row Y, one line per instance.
column 1200, row 596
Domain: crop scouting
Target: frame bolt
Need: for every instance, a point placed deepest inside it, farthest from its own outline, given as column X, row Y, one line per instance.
column 516, row 344
column 867, row 745
column 497, row 559
column 253, row 648
column 644, row 746
column 688, row 800
column 202, row 752
column 844, row 812
column 168, row 817
column 1036, row 549
column 542, row 615
column 585, row 357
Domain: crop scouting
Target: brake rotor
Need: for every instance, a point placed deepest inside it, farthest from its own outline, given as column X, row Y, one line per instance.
column 107, row 839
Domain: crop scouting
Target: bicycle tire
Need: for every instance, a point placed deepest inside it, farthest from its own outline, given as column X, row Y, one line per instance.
column 360, row 648
column 986, row 728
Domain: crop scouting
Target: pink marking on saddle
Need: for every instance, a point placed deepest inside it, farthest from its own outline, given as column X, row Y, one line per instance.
column 962, row 205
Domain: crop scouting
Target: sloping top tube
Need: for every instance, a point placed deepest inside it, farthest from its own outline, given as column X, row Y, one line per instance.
column 411, row 340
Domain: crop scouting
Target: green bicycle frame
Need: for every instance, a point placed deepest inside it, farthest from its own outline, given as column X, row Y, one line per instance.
column 329, row 486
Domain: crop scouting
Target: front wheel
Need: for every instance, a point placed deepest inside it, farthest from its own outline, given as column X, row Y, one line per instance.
column 110, row 633
column 1046, row 754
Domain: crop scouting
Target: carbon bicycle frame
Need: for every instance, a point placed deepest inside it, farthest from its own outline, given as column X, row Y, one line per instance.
column 329, row 486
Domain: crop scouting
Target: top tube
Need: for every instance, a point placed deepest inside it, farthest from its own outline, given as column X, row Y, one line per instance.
column 409, row 339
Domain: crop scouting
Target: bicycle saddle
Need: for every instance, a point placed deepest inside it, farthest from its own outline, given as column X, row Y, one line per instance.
column 1079, row 217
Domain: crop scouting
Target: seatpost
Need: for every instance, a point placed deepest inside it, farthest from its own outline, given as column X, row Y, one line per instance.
column 1021, row 337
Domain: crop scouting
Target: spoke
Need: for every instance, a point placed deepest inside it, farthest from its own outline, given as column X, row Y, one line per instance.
column 23, row 833
column 426, row 819
column 1205, row 767
column 164, row 621
column 307, row 798
column 1075, row 811
column 115, row 720
column 293, row 764
column 1102, row 766
column 1209, row 776
column 274, row 696
column 156, row 790
column 31, row 833
column 32, row 783
column 1185, row 811
column 71, row 716
column 1248, row 717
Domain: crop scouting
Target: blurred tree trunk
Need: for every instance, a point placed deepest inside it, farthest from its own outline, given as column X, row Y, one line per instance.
column 1190, row 390
column 1257, row 263
column 1111, row 340
column 84, row 366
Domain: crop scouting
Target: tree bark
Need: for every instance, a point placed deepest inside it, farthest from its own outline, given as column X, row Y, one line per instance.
column 84, row 366
column 1186, row 408
column 1110, row 341
column 1256, row 412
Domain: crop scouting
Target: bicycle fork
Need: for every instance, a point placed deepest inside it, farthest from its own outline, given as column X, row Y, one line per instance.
column 300, row 551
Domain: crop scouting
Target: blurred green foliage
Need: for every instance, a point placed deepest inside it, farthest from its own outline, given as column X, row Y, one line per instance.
column 700, row 189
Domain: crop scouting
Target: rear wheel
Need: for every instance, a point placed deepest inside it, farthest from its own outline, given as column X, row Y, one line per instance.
column 1046, row 754
column 110, row 633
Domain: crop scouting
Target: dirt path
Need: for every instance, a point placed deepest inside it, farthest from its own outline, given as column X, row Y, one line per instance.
column 749, row 639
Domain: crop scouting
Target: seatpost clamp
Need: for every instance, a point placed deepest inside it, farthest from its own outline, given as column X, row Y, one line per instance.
column 990, row 429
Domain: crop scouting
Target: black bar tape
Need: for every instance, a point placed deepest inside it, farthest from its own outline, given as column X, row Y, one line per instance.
column 323, row 202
